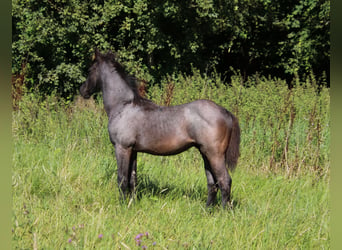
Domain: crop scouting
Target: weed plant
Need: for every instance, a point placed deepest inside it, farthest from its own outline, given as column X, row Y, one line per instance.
column 65, row 193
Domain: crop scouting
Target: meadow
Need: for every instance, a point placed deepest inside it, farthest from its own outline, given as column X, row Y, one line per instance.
column 65, row 194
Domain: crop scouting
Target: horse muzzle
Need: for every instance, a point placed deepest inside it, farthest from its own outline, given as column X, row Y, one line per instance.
column 84, row 93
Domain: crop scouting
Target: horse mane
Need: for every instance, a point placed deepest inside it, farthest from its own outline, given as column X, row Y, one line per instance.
column 130, row 80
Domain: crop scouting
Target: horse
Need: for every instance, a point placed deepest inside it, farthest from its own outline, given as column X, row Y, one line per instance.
column 136, row 124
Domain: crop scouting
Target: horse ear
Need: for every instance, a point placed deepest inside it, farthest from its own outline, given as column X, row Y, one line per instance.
column 110, row 52
column 96, row 55
column 112, row 55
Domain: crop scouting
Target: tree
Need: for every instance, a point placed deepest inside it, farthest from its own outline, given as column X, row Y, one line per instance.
column 53, row 40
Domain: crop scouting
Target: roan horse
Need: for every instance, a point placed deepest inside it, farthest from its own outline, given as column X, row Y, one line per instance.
column 136, row 124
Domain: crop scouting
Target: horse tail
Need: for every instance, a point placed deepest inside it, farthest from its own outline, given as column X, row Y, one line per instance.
column 233, row 150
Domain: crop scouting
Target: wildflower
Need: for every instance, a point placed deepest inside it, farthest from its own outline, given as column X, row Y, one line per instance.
column 144, row 247
column 100, row 236
column 138, row 242
column 69, row 240
column 154, row 243
column 138, row 236
column 146, row 234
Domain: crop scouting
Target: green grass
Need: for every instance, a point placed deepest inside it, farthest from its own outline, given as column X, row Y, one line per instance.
column 65, row 194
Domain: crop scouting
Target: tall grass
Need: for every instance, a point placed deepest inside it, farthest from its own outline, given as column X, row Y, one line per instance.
column 281, row 128
column 64, row 174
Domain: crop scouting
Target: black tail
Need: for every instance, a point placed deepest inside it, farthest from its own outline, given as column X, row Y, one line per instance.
column 233, row 150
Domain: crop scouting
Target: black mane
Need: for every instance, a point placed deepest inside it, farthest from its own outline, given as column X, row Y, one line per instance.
column 131, row 81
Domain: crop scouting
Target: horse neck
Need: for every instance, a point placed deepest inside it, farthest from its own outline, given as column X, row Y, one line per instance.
column 116, row 92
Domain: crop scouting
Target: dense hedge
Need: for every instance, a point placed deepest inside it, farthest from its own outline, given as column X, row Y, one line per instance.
column 53, row 39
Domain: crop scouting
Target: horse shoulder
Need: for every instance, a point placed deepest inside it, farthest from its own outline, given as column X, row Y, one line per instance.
column 122, row 126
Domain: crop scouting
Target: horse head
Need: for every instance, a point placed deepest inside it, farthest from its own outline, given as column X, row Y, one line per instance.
column 93, row 83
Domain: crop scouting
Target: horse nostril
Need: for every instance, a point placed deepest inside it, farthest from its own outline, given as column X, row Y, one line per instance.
column 85, row 95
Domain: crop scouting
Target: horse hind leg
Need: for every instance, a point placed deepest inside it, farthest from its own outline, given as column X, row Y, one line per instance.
column 211, row 183
column 223, row 179
column 225, row 191
column 212, row 189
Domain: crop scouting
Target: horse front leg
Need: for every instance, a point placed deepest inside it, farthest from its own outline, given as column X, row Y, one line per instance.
column 123, row 159
column 133, row 173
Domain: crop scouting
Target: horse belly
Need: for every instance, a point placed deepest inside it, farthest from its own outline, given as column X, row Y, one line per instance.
column 166, row 145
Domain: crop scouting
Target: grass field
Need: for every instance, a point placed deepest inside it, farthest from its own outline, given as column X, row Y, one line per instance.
column 65, row 193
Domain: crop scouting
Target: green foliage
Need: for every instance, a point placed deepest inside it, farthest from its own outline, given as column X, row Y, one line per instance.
column 53, row 40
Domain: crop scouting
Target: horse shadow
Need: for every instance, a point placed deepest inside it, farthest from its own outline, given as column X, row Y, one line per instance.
column 151, row 187
column 148, row 186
